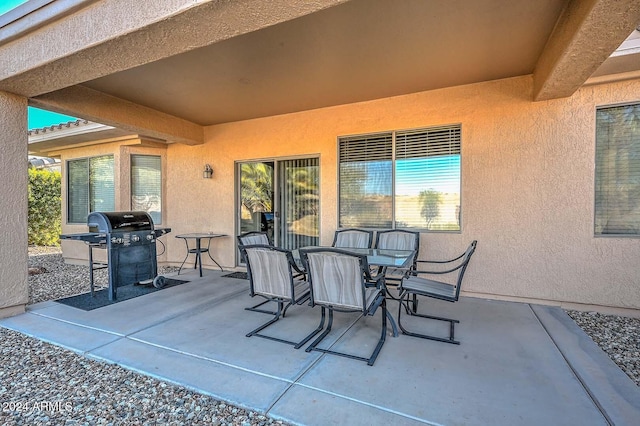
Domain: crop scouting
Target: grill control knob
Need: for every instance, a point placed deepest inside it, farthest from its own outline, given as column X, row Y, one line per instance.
column 135, row 238
column 115, row 240
column 149, row 237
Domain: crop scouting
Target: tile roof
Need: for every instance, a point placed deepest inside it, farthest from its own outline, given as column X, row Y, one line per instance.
column 54, row 127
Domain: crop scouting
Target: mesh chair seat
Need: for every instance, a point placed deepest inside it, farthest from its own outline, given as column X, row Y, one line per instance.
column 427, row 287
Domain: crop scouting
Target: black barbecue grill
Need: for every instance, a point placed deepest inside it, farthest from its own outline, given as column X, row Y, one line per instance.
column 130, row 241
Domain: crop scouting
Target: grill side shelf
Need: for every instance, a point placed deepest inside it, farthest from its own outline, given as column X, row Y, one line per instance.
column 88, row 237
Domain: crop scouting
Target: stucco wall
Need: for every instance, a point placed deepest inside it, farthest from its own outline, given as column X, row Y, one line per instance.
column 527, row 185
column 13, row 207
column 121, row 149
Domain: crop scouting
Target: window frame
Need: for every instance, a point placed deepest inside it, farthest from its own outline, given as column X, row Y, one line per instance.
column 88, row 185
column 597, row 234
column 394, row 160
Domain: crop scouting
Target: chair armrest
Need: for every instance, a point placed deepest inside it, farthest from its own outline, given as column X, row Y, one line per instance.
column 441, row 261
column 446, row 271
column 294, row 265
column 376, row 281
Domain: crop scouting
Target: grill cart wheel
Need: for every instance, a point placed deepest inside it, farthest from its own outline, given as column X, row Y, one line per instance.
column 159, row 281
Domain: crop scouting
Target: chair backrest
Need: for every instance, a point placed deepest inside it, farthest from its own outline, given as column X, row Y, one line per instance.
column 398, row 239
column 466, row 257
column 253, row 237
column 336, row 278
column 352, row 238
column 269, row 271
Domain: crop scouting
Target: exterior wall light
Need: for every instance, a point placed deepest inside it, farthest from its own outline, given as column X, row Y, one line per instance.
column 208, row 172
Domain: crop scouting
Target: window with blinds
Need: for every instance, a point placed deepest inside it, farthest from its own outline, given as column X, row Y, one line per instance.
column 146, row 185
column 617, row 181
column 402, row 179
column 90, row 187
column 365, row 176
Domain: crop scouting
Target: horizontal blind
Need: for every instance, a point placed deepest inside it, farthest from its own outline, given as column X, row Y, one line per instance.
column 101, row 184
column 146, row 185
column 617, row 185
column 365, row 181
column 299, row 196
column 77, row 191
column 427, row 189
column 431, row 142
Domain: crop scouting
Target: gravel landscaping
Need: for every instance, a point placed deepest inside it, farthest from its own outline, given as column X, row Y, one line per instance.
column 43, row 384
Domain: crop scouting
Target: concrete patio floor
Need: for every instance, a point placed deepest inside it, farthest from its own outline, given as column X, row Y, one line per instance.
column 517, row 364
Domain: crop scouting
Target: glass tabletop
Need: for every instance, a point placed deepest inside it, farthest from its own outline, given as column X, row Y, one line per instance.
column 376, row 257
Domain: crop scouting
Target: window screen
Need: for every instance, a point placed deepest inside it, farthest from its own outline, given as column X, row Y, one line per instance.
column 617, row 185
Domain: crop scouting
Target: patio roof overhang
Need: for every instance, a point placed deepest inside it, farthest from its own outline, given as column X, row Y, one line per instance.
column 168, row 71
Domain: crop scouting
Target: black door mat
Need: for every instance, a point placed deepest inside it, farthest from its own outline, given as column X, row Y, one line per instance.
column 101, row 297
column 239, row 275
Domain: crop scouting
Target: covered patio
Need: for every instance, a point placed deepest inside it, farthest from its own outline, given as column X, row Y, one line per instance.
column 517, row 363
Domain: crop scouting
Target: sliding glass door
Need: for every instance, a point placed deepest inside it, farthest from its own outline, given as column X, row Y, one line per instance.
column 280, row 197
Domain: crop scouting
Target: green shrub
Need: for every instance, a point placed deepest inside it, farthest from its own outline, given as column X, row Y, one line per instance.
column 45, row 211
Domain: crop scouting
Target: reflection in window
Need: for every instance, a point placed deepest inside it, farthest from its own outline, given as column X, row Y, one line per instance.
column 418, row 187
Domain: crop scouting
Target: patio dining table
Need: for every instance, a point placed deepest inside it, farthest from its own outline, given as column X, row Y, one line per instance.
column 376, row 257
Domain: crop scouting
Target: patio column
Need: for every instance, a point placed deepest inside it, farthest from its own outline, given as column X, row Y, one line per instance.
column 14, row 293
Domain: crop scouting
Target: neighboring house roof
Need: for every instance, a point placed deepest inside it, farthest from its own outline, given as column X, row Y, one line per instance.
column 72, row 133
column 55, row 127
column 44, row 163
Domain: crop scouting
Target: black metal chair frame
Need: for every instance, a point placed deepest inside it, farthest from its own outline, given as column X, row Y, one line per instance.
column 413, row 266
column 411, row 306
column 367, row 281
column 282, row 308
column 364, row 231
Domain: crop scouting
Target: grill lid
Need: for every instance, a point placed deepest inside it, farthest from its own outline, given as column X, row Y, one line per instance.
column 119, row 222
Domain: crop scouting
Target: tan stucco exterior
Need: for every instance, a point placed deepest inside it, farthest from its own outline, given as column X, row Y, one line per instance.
column 13, row 207
column 193, row 79
column 527, row 185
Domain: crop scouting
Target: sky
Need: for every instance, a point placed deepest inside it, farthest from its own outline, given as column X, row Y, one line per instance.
column 40, row 118
column 7, row 5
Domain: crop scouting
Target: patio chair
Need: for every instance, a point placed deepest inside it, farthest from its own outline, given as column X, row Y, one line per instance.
column 254, row 238
column 270, row 276
column 341, row 281
column 417, row 285
column 352, row 238
column 398, row 239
